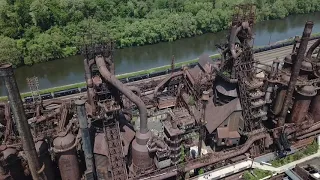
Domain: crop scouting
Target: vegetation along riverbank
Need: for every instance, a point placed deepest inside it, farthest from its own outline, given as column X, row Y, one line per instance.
column 34, row 31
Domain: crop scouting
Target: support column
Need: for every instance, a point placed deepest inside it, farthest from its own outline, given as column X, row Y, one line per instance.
column 6, row 73
column 86, row 141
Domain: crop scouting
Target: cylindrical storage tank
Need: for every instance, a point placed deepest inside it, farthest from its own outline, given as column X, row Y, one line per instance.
column 315, row 108
column 45, row 159
column 140, row 154
column 67, row 157
column 302, row 103
column 13, row 163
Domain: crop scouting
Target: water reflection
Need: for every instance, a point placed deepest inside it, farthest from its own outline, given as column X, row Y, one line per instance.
column 70, row 70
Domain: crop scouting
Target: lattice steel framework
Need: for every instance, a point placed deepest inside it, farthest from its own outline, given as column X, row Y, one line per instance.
column 33, row 84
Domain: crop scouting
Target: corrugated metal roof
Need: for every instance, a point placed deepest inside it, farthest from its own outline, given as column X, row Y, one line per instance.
column 216, row 115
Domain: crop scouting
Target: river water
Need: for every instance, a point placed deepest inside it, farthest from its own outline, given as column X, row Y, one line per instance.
column 70, row 70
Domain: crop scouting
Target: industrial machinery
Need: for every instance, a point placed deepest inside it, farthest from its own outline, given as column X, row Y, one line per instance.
column 203, row 116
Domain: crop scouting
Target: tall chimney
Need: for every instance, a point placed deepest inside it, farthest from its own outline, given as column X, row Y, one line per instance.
column 6, row 73
column 295, row 71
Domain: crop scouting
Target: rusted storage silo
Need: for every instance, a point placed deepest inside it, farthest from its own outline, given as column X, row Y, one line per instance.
column 64, row 147
column 301, row 104
column 13, row 163
column 45, row 159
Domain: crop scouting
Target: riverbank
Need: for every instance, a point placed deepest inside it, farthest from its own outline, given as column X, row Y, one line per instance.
column 158, row 69
column 55, row 32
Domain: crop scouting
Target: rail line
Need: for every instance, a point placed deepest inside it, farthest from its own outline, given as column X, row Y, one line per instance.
column 265, row 55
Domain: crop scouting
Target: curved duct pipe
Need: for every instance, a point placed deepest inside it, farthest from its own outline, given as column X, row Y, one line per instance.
column 234, row 32
column 135, row 89
column 163, row 82
column 111, row 65
column 312, row 48
column 44, row 118
column 125, row 90
column 54, row 101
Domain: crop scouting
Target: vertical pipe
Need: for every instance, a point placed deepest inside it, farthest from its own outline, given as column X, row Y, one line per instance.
column 86, row 142
column 294, row 75
column 6, row 72
column 270, row 86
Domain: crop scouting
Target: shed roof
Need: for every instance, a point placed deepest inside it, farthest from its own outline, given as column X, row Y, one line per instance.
column 216, row 115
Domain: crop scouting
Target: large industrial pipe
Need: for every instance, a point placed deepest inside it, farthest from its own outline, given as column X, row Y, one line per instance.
column 86, row 142
column 312, row 48
column 125, row 90
column 295, row 72
column 140, row 154
column 214, row 158
column 135, row 89
column 90, row 91
column 6, row 72
column 163, row 82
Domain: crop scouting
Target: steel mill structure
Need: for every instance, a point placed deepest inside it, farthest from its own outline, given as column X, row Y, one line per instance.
column 193, row 119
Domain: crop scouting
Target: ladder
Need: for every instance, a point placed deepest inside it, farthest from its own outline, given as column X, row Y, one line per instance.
column 115, row 151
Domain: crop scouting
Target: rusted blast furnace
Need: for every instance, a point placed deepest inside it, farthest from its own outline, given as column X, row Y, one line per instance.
column 65, row 148
column 208, row 115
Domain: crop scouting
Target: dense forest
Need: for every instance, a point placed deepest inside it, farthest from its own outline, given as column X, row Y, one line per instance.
column 34, row 31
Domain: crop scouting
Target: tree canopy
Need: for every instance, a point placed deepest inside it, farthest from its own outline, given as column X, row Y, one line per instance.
column 34, row 31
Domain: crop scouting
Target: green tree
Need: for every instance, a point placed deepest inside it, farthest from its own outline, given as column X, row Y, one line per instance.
column 9, row 51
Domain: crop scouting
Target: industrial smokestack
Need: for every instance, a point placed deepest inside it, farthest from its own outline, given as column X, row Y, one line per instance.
column 6, row 73
column 295, row 71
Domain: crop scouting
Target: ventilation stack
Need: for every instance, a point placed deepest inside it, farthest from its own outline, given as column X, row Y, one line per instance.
column 6, row 73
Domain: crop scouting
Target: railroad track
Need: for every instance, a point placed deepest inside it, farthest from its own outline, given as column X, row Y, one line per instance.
column 265, row 57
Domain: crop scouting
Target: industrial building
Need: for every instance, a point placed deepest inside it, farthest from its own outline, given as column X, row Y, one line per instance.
column 194, row 119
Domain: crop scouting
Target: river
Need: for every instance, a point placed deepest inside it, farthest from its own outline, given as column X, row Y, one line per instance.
column 70, row 70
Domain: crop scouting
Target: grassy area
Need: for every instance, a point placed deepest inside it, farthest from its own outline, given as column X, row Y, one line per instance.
column 259, row 174
column 256, row 174
column 307, row 151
